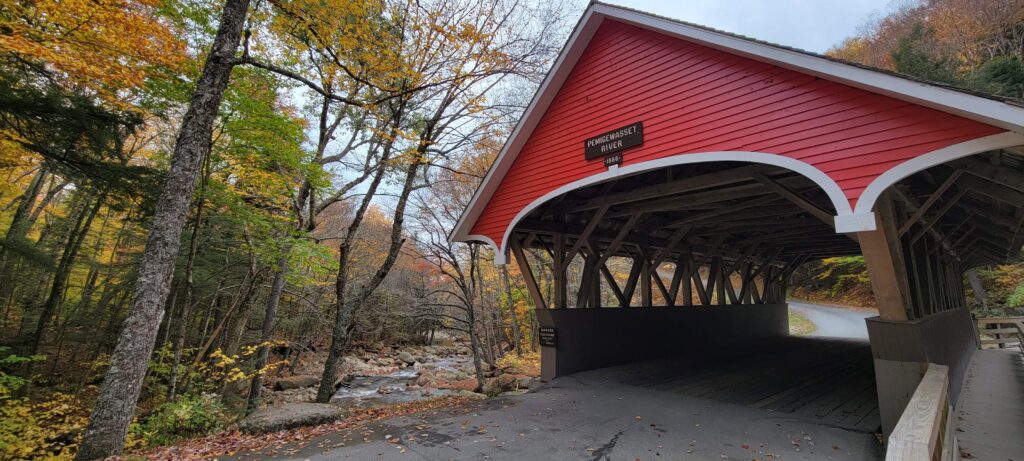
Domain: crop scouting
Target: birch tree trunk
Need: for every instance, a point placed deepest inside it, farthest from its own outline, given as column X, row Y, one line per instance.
column 122, row 384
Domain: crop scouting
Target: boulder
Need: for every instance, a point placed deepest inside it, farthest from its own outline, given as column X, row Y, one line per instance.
column 354, row 365
column 289, row 415
column 505, row 383
column 423, row 380
column 471, row 394
column 295, row 382
column 343, row 380
column 462, row 385
column 406, row 357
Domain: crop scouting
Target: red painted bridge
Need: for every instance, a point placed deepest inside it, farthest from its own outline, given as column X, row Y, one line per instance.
column 724, row 163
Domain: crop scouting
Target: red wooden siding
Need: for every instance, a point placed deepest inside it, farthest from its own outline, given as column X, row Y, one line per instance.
column 695, row 99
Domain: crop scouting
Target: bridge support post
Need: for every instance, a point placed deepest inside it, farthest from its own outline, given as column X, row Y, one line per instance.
column 902, row 344
column 884, row 260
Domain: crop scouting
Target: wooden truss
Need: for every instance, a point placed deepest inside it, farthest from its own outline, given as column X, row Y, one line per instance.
column 734, row 234
column 656, row 275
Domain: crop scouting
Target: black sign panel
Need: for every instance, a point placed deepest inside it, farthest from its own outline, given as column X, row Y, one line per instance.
column 614, row 141
column 548, row 337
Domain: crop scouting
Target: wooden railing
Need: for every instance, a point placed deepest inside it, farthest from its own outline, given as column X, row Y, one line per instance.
column 1001, row 332
column 925, row 430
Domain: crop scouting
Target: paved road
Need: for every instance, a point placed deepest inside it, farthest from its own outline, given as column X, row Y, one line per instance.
column 597, row 415
column 835, row 322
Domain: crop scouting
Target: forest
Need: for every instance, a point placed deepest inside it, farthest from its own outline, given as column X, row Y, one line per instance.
column 206, row 202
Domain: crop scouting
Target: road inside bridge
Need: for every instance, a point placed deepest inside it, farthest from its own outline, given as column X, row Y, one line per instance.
column 835, row 322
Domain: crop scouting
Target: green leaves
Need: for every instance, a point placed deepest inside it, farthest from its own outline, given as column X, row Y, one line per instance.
column 913, row 57
column 1002, row 75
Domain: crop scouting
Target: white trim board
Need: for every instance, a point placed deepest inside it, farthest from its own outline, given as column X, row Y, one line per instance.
column 992, row 112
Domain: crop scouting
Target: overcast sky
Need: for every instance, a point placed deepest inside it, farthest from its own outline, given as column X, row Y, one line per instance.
column 812, row 25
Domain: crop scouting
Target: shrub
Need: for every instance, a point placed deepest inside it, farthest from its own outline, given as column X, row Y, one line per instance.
column 1016, row 298
column 189, row 416
column 48, row 429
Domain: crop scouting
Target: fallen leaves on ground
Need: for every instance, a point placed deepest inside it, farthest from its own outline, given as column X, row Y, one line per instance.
column 233, row 441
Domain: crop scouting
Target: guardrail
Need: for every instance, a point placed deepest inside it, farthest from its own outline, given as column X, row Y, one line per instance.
column 1001, row 332
column 925, row 430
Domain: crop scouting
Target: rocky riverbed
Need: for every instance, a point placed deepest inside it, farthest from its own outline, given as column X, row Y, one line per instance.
column 387, row 376
column 390, row 375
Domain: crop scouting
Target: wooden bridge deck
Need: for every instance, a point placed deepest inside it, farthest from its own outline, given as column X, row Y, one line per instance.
column 991, row 408
column 828, row 381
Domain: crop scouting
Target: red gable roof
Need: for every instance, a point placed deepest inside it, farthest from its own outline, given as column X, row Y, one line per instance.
column 703, row 95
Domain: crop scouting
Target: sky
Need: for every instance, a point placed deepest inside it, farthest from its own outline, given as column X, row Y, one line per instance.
column 812, row 25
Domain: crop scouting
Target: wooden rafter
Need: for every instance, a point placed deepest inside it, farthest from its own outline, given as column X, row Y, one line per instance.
column 797, row 199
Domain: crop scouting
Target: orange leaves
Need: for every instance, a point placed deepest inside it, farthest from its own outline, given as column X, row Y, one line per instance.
column 967, row 31
column 103, row 45
column 288, row 441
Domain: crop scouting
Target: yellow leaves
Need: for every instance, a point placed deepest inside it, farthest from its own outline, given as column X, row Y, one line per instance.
column 104, row 45
column 45, row 430
column 351, row 37
column 221, row 367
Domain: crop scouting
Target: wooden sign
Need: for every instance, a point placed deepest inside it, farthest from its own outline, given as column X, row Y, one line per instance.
column 548, row 337
column 614, row 141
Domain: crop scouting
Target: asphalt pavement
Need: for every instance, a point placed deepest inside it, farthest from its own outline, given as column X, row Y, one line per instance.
column 835, row 322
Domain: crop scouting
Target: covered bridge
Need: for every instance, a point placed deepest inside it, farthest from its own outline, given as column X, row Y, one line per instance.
column 709, row 166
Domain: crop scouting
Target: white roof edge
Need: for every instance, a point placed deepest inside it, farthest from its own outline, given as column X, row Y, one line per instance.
column 988, row 111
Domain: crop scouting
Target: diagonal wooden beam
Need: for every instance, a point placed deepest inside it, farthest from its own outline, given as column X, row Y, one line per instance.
column 584, row 236
column 797, row 199
column 661, row 287
column 677, row 277
column 932, row 199
column 614, row 285
column 928, row 224
column 994, row 191
column 616, row 243
column 699, row 287
column 531, row 281
column 634, row 276
column 673, row 242
column 1000, row 175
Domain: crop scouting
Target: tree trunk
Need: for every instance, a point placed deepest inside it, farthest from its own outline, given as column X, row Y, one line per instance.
column 347, row 307
column 63, row 272
column 119, row 394
column 516, row 338
column 471, row 318
column 343, row 317
column 17, row 231
column 269, row 319
column 186, row 309
column 977, row 287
